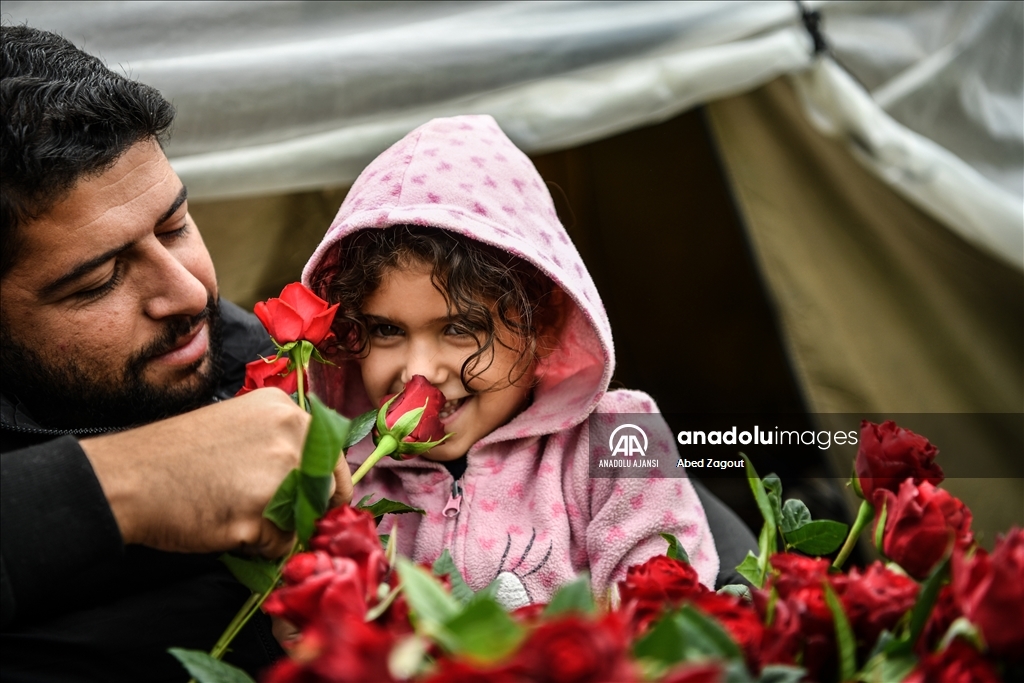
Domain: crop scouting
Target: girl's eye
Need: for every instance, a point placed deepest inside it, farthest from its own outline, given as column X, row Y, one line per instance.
column 385, row 331
column 457, row 330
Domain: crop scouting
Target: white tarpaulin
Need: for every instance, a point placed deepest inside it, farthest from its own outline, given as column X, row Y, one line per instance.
column 283, row 96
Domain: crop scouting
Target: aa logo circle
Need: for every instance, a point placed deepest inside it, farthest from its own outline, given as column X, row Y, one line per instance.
column 628, row 440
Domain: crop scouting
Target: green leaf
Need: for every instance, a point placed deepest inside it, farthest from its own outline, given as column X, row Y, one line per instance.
column 885, row 668
column 781, row 673
column 675, row 551
column 661, row 643
column 301, row 353
column 773, row 488
column 794, row 515
column 427, row 598
column 738, row 589
column 844, row 635
column 327, row 434
column 359, row 428
column 750, row 570
column 405, row 425
column 384, row 539
column 445, row 566
column 819, row 537
column 305, row 514
column 760, row 494
column 574, row 596
column 923, row 607
column 206, row 669
column 382, row 425
column 281, row 508
column 256, row 574
column 702, row 635
column 384, row 506
column 484, row 631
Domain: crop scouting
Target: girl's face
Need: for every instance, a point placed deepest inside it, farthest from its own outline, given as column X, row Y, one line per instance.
column 411, row 333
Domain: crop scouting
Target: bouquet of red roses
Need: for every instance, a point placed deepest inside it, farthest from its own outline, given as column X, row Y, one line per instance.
column 940, row 608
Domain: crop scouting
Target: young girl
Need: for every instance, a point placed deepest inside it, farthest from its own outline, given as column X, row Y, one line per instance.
column 449, row 262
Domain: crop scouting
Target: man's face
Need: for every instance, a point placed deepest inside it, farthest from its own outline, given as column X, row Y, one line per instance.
column 112, row 300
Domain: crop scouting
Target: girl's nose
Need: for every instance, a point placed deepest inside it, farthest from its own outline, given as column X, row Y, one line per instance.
column 428, row 361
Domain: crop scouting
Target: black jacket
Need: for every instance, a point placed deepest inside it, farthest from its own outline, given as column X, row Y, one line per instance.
column 78, row 605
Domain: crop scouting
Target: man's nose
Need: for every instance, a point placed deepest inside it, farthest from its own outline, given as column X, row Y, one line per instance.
column 175, row 290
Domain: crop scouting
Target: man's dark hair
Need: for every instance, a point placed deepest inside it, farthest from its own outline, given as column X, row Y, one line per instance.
column 66, row 116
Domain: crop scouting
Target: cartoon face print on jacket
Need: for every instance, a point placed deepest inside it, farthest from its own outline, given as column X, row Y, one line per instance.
column 411, row 333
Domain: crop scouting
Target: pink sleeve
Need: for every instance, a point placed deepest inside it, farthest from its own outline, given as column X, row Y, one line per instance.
column 626, row 515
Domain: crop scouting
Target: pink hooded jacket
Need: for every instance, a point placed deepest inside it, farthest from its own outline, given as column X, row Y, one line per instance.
column 527, row 512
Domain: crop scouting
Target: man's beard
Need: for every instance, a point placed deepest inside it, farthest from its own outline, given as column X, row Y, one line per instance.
column 59, row 394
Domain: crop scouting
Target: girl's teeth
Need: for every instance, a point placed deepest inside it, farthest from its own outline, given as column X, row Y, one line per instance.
column 449, row 408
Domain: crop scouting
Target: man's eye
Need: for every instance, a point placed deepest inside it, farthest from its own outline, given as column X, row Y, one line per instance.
column 174, row 235
column 96, row 292
column 385, row 331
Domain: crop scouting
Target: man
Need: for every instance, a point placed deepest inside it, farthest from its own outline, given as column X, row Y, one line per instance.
column 124, row 469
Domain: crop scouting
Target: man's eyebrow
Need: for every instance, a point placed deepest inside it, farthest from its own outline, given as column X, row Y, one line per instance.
column 175, row 205
column 82, row 269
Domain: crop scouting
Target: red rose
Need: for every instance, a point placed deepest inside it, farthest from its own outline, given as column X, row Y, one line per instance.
column 658, row 584
column 888, row 454
column 991, row 593
column 340, row 648
column 739, row 619
column 800, row 584
column 958, row 663
column 347, row 532
column 944, row 613
column 782, row 640
column 298, row 314
column 317, row 583
column 261, row 373
column 574, row 649
column 921, row 522
column 875, row 600
column 418, row 393
column 709, row 672
column 459, row 671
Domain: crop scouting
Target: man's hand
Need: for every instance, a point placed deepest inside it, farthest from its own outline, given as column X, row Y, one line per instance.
column 199, row 482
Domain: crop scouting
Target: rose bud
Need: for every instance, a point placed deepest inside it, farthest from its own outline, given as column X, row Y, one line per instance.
column 298, row 314
column 269, row 373
column 991, row 594
column 920, row 524
column 739, row 619
column 888, row 454
column 412, row 418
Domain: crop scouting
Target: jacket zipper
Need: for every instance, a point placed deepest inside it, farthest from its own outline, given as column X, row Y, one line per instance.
column 86, row 431
column 451, row 509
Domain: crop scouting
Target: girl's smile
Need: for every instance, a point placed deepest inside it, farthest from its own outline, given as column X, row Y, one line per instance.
column 412, row 332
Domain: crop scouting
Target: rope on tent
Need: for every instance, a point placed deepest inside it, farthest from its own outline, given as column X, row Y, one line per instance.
column 812, row 22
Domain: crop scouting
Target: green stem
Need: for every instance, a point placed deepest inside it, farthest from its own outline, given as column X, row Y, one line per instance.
column 301, row 389
column 250, row 608
column 864, row 516
column 386, row 446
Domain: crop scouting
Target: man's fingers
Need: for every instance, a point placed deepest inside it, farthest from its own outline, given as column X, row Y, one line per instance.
column 274, row 543
column 342, row 484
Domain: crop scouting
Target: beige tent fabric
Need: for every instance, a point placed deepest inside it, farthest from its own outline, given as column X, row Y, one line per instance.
column 883, row 309
column 260, row 244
